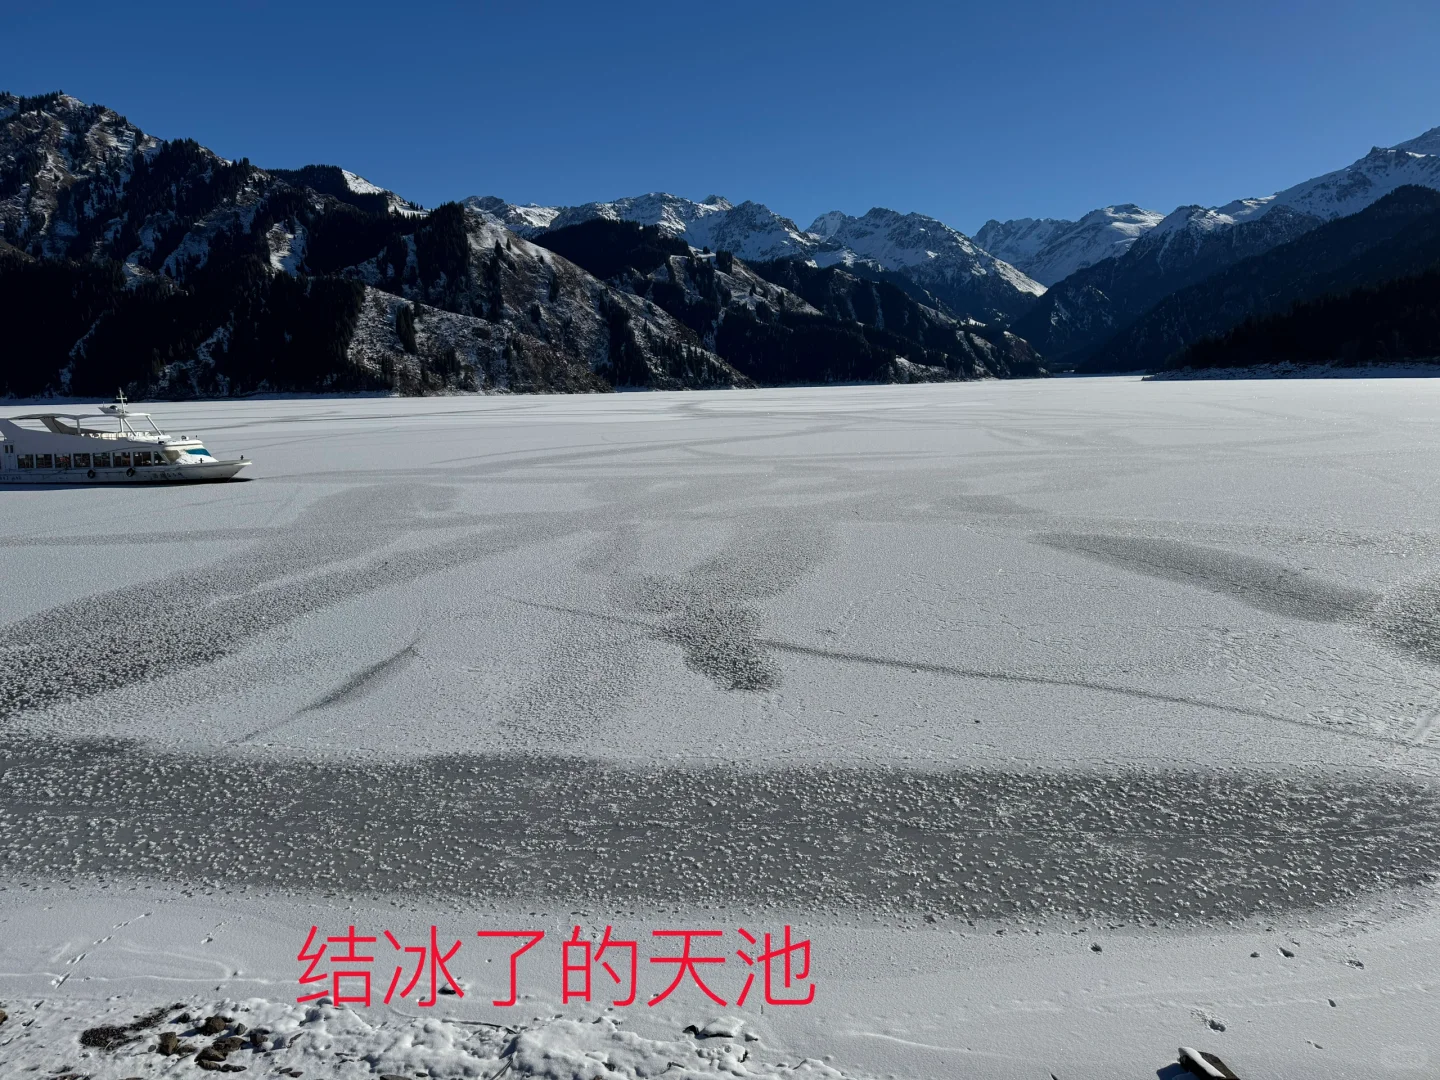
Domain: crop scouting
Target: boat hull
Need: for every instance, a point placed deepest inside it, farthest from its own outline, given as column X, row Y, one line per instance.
column 140, row 474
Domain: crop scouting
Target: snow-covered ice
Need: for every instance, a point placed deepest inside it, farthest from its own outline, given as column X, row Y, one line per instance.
column 1071, row 720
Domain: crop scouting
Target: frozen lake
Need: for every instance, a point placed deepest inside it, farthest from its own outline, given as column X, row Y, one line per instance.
column 1073, row 657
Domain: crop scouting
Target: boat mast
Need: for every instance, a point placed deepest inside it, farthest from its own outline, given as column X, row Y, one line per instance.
column 121, row 412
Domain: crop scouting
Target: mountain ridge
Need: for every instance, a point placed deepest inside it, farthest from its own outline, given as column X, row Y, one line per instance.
column 1091, row 305
column 928, row 253
column 1396, row 236
column 825, row 324
column 1051, row 249
column 203, row 259
column 164, row 268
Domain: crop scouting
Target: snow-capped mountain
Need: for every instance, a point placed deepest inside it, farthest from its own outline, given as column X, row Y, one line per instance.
column 918, row 249
column 81, row 181
column 1191, row 243
column 749, row 230
column 1395, row 237
column 279, row 273
column 942, row 260
column 161, row 267
column 1019, row 240
column 1081, row 311
column 526, row 221
column 1050, row 249
column 784, row 320
column 1188, row 230
column 1323, row 198
column 166, row 269
column 1351, row 189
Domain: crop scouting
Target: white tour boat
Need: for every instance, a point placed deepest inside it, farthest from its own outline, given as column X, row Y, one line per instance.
column 106, row 447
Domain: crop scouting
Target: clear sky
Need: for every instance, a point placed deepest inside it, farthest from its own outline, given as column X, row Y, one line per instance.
column 960, row 110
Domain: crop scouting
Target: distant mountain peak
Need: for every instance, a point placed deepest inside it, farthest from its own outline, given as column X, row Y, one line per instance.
column 929, row 253
column 1051, row 249
column 826, row 224
column 882, row 241
column 521, row 220
column 1351, row 189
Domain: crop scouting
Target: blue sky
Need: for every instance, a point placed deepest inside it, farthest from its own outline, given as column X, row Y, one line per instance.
column 964, row 111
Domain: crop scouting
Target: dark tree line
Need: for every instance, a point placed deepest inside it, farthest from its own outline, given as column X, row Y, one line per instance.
column 287, row 333
column 181, row 179
column 1399, row 320
column 609, row 248
column 442, row 256
column 1396, row 236
column 797, row 348
column 330, row 180
column 405, row 328
column 845, row 296
column 625, row 358
column 45, row 308
column 344, row 236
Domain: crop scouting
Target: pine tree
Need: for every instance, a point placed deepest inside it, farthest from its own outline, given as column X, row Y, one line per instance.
column 405, row 328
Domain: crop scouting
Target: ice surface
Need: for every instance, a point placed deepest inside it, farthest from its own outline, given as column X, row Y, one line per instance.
column 960, row 679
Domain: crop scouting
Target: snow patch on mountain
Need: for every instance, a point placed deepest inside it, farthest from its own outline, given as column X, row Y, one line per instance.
column 359, row 185
column 1349, row 190
column 921, row 246
column 287, row 246
column 1428, row 143
column 749, row 230
column 1051, row 249
column 827, row 225
column 527, row 221
column 1203, row 219
column 913, row 245
column 1019, row 240
column 673, row 214
column 68, row 141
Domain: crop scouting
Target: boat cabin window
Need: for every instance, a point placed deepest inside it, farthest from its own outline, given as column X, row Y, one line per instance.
column 62, row 461
column 82, row 461
column 102, row 461
column 122, row 459
column 199, row 450
column 25, row 461
column 142, row 457
column 44, row 461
